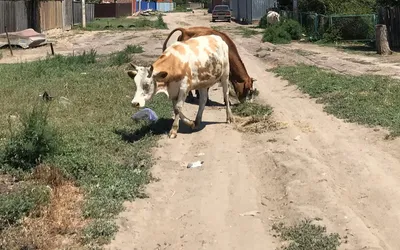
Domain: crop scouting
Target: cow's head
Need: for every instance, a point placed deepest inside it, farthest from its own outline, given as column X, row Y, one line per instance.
column 146, row 83
column 245, row 92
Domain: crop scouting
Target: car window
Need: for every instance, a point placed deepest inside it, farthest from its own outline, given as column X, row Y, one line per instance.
column 221, row 7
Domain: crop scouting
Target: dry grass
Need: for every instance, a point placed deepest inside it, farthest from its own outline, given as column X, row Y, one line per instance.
column 54, row 226
column 258, row 125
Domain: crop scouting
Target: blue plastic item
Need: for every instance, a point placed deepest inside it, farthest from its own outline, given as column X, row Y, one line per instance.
column 145, row 114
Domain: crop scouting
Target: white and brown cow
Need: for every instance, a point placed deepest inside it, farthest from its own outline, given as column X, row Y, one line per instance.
column 197, row 63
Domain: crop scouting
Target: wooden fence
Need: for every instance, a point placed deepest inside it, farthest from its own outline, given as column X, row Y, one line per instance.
column 390, row 16
column 14, row 15
column 51, row 15
column 41, row 16
column 112, row 9
column 77, row 10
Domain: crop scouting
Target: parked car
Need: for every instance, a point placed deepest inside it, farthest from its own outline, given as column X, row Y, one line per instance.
column 221, row 12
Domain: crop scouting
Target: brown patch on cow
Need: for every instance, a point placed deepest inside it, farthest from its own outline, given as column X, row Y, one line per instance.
column 193, row 45
column 180, row 49
column 209, row 70
column 176, row 69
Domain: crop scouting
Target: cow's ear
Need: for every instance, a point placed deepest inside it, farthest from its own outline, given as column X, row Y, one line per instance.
column 160, row 76
column 132, row 73
column 253, row 79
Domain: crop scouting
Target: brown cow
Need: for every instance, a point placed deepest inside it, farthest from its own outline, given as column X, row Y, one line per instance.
column 241, row 81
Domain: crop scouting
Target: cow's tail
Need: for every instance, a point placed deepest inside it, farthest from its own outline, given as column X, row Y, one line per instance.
column 170, row 34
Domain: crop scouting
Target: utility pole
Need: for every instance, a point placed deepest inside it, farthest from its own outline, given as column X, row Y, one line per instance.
column 83, row 14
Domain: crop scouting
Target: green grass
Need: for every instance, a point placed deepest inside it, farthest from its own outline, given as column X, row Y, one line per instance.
column 246, row 32
column 121, row 57
column 182, row 8
column 102, row 150
column 15, row 205
column 307, row 236
column 252, row 109
column 368, row 99
column 124, row 23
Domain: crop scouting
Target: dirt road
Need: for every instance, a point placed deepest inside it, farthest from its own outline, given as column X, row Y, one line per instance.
column 343, row 173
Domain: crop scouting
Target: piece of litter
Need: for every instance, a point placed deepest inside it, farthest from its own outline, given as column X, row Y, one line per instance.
column 297, row 138
column 250, row 213
column 200, row 154
column 145, row 113
column 195, row 164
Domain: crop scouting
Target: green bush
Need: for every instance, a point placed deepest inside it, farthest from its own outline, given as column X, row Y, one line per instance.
column 263, row 22
column 292, row 27
column 277, row 35
column 15, row 205
column 35, row 141
column 282, row 32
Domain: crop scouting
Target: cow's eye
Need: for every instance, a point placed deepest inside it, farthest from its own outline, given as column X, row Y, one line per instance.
column 145, row 87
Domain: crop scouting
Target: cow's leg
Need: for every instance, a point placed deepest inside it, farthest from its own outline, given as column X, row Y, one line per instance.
column 175, row 126
column 181, row 97
column 208, row 102
column 225, row 90
column 202, row 103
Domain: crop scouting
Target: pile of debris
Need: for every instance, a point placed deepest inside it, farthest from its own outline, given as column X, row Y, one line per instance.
column 27, row 38
column 148, row 12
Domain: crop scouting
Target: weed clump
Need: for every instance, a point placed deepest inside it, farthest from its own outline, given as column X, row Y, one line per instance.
column 15, row 205
column 121, row 57
column 307, row 236
column 29, row 146
column 252, row 109
column 159, row 23
column 100, row 232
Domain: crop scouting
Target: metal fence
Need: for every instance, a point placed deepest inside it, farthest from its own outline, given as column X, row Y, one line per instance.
column 77, row 10
column 165, row 7
column 345, row 27
column 390, row 16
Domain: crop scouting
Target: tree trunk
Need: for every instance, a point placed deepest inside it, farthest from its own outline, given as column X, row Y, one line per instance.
column 382, row 44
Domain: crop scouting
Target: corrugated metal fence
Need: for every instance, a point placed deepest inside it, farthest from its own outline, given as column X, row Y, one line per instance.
column 165, row 7
column 390, row 16
column 77, row 10
column 144, row 5
column 14, row 15
column 248, row 11
column 259, row 8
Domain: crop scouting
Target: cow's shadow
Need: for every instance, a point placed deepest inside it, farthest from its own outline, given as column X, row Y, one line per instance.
column 210, row 103
column 160, row 127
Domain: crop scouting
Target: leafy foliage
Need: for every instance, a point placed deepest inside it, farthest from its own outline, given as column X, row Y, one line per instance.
column 338, row 6
column 34, row 142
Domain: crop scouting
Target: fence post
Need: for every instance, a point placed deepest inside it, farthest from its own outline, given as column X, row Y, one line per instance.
column 83, row 14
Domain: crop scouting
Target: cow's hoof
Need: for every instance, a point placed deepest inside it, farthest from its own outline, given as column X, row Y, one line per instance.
column 230, row 119
column 172, row 134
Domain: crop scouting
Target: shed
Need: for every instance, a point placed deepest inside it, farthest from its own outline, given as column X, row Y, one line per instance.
column 248, row 11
